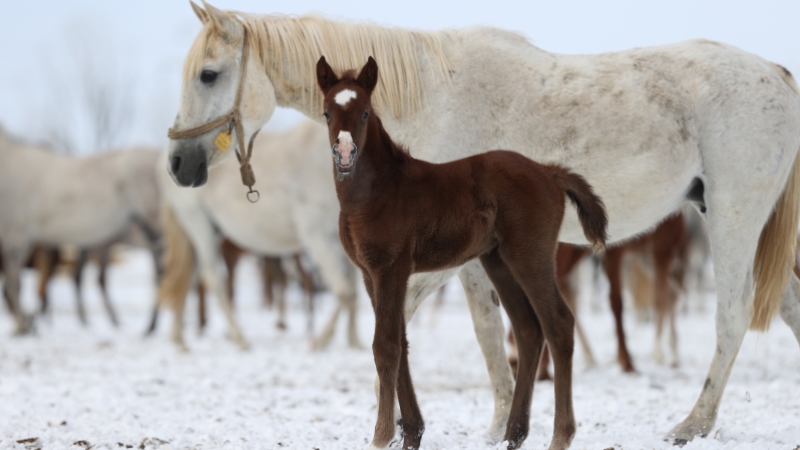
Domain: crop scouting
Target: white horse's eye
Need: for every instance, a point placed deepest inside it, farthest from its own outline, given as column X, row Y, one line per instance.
column 208, row 76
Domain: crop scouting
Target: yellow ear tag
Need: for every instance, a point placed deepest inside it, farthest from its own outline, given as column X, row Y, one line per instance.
column 223, row 141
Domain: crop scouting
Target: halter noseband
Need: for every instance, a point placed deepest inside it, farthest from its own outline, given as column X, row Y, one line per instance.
column 234, row 120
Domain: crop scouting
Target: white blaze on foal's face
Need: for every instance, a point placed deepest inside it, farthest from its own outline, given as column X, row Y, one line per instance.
column 344, row 97
column 345, row 147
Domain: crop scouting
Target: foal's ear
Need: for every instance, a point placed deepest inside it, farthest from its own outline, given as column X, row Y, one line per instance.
column 200, row 12
column 325, row 76
column 368, row 77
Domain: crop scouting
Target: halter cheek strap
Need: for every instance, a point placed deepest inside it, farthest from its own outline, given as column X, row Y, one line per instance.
column 233, row 119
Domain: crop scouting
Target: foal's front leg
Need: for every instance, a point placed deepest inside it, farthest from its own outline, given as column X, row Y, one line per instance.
column 388, row 296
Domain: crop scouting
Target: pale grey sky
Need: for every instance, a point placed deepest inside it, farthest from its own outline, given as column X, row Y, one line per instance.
column 145, row 42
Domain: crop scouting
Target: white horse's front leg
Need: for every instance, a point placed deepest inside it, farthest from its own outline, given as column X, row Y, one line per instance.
column 201, row 233
column 212, row 279
column 176, row 334
column 484, row 307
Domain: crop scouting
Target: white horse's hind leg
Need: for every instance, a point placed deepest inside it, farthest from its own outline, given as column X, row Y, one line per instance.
column 790, row 306
column 490, row 331
column 733, row 244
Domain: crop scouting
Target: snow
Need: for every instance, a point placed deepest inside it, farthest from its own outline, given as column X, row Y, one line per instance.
column 113, row 388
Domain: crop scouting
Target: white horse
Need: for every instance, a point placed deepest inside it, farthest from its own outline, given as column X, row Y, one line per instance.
column 53, row 200
column 298, row 210
column 650, row 128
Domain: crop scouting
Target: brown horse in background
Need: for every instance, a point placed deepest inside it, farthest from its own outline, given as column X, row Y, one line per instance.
column 400, row 216
column 668, row 248
column 273, row 275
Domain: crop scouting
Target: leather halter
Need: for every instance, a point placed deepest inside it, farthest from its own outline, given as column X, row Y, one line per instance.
column 233, row 119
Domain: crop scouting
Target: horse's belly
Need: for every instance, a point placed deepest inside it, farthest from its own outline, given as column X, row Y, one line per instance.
column 84, row 229
column 268, row 233
column 637, row 196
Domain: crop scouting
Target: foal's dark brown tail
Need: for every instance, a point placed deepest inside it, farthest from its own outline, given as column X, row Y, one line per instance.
column 591, row 211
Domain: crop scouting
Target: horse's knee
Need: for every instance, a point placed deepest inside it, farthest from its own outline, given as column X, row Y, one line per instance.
column 386, row 352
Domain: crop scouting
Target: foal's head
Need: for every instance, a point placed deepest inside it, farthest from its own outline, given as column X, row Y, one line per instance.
column 347, row 109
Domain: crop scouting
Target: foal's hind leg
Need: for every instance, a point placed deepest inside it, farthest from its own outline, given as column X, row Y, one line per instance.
column 529, row 338
column 533, row 269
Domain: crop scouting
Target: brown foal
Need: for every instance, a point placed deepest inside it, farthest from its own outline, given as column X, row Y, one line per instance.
column 400, row 215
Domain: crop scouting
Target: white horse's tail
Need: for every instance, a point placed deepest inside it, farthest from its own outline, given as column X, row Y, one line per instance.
column 775, row 256
column 177, row 261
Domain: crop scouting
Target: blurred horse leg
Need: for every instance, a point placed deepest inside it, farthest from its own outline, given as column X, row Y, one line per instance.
column 105, row 256
column 14, row 253
column 77, row 271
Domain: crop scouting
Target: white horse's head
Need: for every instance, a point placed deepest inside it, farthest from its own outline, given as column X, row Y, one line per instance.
column 211, row 78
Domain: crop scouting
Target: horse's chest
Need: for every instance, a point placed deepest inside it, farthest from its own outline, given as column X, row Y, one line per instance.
column 372, row 243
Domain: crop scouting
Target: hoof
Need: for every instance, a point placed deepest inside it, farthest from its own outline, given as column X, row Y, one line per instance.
column 320, row 343
column 687, row 430
column 24, row 327
column 242, row 344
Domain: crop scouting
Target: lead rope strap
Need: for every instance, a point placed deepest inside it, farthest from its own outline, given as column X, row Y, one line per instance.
column 245, row 169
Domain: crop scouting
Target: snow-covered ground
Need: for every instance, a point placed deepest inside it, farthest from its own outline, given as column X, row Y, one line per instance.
column 113, row 389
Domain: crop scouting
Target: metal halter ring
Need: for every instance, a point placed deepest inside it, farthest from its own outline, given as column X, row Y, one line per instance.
column 253, row 191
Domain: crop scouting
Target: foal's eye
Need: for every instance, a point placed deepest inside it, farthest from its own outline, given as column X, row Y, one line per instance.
column 365, row 115
column 327, row 116
column 208, row 76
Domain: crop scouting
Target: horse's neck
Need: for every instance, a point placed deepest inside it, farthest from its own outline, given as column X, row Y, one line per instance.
column 427, row 64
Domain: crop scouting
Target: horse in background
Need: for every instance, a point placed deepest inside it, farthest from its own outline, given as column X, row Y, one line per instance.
column 47, row 263
column 52, row 200
column 297, row 212
column 659, row 263
column 651, row 129
column 275, row 283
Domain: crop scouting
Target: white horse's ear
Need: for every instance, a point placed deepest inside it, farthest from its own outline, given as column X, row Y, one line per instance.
column 200, row 12
column 225, row 24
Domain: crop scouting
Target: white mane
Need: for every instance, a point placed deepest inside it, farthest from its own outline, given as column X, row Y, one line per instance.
column 294, row 44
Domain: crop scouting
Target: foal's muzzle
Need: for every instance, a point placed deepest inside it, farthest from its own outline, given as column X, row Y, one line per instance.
column 337, row 158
